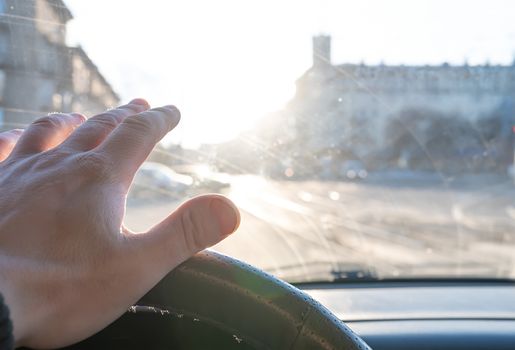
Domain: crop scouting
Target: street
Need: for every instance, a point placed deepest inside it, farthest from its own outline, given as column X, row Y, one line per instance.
column 382, row 227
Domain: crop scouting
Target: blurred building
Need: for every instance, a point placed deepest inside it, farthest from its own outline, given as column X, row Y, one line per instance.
column 39, row 73
column 380, row 113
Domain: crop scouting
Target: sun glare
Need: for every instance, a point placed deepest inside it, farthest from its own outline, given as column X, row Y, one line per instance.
column 232, row 99
column 223, row 71
column 227, row 63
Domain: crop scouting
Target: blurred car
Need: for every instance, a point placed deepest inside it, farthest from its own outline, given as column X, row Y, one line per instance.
column 353, row 170
column 211, row 183
column 206, row 179
column 154, row 179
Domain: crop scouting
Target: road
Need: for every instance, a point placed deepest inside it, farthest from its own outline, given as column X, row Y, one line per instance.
column 312, row 230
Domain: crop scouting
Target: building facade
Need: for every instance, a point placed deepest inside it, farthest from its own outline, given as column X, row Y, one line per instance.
column 390, row 115
column 39, row 73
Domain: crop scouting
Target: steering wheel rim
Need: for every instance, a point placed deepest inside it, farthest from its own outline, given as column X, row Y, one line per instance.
column 254, row 307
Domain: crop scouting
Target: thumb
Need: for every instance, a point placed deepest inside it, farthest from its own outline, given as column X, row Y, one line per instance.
column 142, row 260
column 197, row 224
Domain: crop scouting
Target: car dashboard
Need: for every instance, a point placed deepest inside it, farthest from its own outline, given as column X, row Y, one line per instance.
column 424, row 315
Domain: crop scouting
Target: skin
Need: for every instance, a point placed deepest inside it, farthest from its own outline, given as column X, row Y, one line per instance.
column 68, row 267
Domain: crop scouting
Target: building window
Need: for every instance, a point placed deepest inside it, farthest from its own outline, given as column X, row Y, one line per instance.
column 49, row 23
column 3, row 6
column 57, row 102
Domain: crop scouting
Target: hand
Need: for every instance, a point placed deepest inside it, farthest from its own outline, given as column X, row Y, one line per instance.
column 68, row 267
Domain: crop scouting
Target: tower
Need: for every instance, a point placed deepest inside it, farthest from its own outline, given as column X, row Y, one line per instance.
column 321, row 51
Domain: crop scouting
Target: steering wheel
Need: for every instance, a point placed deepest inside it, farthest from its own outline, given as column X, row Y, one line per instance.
column 213, row 301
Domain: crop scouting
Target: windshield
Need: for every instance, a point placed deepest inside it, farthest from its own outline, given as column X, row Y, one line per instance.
column 360, row 139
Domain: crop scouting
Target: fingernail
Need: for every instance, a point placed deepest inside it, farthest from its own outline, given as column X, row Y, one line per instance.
column 174, row 110
column 226, row 214
column 80, row 117
column 174, row 114
column 140, row 102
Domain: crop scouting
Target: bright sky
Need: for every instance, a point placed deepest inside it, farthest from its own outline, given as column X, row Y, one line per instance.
column 226, row 63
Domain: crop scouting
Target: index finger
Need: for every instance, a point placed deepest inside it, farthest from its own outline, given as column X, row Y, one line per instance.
column 132, row 141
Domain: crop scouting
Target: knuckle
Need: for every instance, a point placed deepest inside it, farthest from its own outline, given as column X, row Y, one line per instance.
column 48, row 160
column 93, row 165
column 49, row 121
column 108, row 120
column 191, row 231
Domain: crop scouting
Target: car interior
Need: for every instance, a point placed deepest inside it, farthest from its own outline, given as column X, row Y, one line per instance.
column 369, row 146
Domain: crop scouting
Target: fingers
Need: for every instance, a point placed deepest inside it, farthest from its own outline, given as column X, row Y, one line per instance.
column 47, row 132
column 97, row 128
column 132, row 141
column 197, row 224
column 7, row 141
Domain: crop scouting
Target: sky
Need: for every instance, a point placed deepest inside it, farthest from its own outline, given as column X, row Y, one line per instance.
column 227, row 63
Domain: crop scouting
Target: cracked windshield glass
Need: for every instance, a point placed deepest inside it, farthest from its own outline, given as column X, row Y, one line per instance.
column 361, row 140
